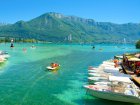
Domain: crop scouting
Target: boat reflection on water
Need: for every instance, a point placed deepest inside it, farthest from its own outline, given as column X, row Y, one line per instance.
column 2, row 66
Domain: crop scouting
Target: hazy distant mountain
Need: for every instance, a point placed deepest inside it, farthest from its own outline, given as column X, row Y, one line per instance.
column 57, row 27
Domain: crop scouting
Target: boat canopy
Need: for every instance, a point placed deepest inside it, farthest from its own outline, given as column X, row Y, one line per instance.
column 134, row 59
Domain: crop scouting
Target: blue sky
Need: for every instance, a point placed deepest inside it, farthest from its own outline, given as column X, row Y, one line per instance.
column 116, row 11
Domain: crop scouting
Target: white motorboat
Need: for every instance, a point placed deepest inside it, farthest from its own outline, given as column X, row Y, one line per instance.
column 95, row 71
column 106, row 65
column 111, row 78
column 111, row 68
column 92, row 68
column 52, row 68
column 93, row 79
column 102, row 83
column 120, row 79
column 113, row 93
column 109, row 63
column 4, row 54
column 98, row 74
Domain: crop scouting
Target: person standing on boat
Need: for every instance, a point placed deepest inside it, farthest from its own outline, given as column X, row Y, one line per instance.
column 116, row 63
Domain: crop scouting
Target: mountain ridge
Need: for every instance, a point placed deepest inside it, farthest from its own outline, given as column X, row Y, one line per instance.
column 56, row 27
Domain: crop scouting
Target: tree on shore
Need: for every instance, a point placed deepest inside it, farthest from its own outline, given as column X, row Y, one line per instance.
column 138, row 44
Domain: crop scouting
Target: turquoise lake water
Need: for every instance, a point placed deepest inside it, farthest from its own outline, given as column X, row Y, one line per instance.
column 24, row 79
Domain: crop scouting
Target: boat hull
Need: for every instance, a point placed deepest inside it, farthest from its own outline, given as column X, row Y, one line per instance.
column 52, row 69
column 113, row 96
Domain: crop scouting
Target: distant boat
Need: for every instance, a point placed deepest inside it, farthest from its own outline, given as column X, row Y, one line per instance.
column 33, row 47
column 93, row 47
column 100, row 49
column 12, row 45
column 4, row 54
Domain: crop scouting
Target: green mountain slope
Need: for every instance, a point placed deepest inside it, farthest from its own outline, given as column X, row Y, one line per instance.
column 56, row 27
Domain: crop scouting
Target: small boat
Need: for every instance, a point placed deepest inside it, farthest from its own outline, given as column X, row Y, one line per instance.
column 98, row 74
column 92, row 68
column 106, row 65
column 53, row 68
column 93, row 79
column 100, row 49
column 4, row 54
column 113, row 93
column 93, row 47
column 120, row 79
column 109, row 63
column 111, row 78
column 111, row 70
column 95, row 71
column 114, row 83
column 33, row 47
column 102, row 83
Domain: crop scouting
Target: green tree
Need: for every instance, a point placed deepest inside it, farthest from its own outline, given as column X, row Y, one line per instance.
column 138, row 44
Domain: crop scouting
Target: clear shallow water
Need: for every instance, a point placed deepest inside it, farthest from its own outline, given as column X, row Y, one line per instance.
column 25, row 81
